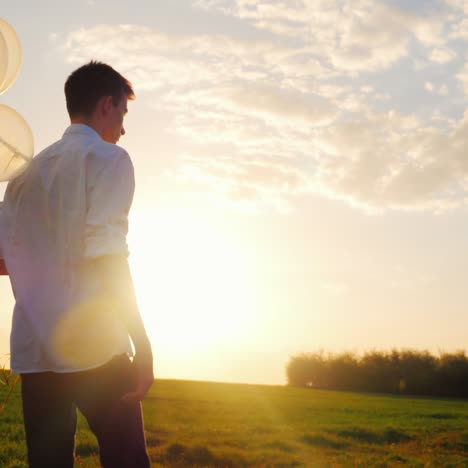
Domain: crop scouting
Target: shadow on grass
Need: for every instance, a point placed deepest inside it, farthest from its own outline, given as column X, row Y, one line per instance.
column 453, row 441
column 86, row 449
column 318, row 440
column 443, row 416
column 179, row 455
column 393, row 459
column 280, row 445
column 156, row 437
column 388, row 436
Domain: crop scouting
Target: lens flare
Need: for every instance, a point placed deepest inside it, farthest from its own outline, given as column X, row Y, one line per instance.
column 86, row 335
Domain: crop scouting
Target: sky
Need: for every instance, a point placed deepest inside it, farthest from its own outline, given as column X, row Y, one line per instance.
column 301, row 169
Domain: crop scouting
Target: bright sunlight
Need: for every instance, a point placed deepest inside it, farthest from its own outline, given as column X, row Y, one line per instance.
column 193, row 281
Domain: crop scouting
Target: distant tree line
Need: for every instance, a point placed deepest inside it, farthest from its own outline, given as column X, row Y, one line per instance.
column 404, row 372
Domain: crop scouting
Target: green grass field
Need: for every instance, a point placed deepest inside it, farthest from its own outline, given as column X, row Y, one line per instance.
column 232, row 425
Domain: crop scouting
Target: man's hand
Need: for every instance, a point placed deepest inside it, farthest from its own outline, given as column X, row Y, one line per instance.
column 3, row 268
column 143, row 364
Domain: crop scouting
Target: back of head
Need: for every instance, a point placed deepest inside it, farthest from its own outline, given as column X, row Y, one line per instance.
column 89, row 83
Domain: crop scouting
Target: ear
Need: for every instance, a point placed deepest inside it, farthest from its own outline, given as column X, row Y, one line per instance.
column 105, row 104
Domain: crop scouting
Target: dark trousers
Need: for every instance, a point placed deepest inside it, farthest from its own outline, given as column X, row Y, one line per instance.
column 49, row 409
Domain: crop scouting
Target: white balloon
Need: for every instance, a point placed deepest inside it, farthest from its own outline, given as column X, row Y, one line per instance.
column 10, row 62
column 16, row 144
column 3, row 59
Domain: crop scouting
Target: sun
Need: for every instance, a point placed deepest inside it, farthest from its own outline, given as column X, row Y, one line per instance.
column 193, row 281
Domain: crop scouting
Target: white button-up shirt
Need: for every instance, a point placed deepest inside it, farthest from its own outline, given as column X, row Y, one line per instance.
column 70, row 206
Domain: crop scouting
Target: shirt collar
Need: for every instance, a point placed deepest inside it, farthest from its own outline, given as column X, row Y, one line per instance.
column 81, row 129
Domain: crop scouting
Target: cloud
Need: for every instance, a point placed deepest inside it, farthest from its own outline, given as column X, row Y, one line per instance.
column 226, row 179
column 442, row 55
column 261, row 121
column 390, row 161
column 462, row 76
column 432, row 88
column 272, row 103
column 458, row 24
column 354, row 37
column 160, row 60
column 245, row 99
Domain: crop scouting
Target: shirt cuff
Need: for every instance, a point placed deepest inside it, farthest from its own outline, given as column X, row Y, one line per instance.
column 105, row 240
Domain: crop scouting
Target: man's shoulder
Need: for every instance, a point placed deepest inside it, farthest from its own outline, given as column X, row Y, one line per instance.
column 102, row 155
column 88, row 147
column 101, row 150
column 84, row 148
column 84, row 142
column 52, row 148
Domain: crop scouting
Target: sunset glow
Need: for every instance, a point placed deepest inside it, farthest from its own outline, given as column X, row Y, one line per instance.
column 194, row 286
column 301, row 170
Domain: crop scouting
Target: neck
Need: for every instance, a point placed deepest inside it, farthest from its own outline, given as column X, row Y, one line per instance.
column 89, row 121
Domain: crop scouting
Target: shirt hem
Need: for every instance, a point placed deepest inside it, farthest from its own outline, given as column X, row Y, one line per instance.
column 17, row 371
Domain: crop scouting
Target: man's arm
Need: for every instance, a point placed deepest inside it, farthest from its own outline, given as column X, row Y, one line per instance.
column 117, row 281
column 109, row 197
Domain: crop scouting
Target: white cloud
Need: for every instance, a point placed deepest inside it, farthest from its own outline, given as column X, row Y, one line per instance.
column 462, row 76
column 432, row 88
column 156, row 59
column 392, row 162
column 357, row 36
column 258, row 123
column 442, row 55
column 429, row 86
column 243, row 183
column 460, row 30
column 273, row 103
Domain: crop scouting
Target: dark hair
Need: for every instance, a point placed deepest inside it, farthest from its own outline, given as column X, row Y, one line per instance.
column 89, row 83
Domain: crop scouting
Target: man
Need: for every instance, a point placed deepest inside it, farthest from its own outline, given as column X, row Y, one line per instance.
column 63, row 233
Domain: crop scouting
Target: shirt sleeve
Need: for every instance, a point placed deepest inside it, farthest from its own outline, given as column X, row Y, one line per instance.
column 109, row 202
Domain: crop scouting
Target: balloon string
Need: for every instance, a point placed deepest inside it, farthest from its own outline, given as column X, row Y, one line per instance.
column 15, row 152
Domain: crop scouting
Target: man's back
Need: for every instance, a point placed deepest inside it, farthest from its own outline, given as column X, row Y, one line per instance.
column 69, row 207
column 63, row 229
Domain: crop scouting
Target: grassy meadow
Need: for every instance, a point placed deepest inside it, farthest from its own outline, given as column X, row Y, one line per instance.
column 202, row 424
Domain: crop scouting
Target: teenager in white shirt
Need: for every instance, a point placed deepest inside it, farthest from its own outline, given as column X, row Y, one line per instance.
column 63, row 228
